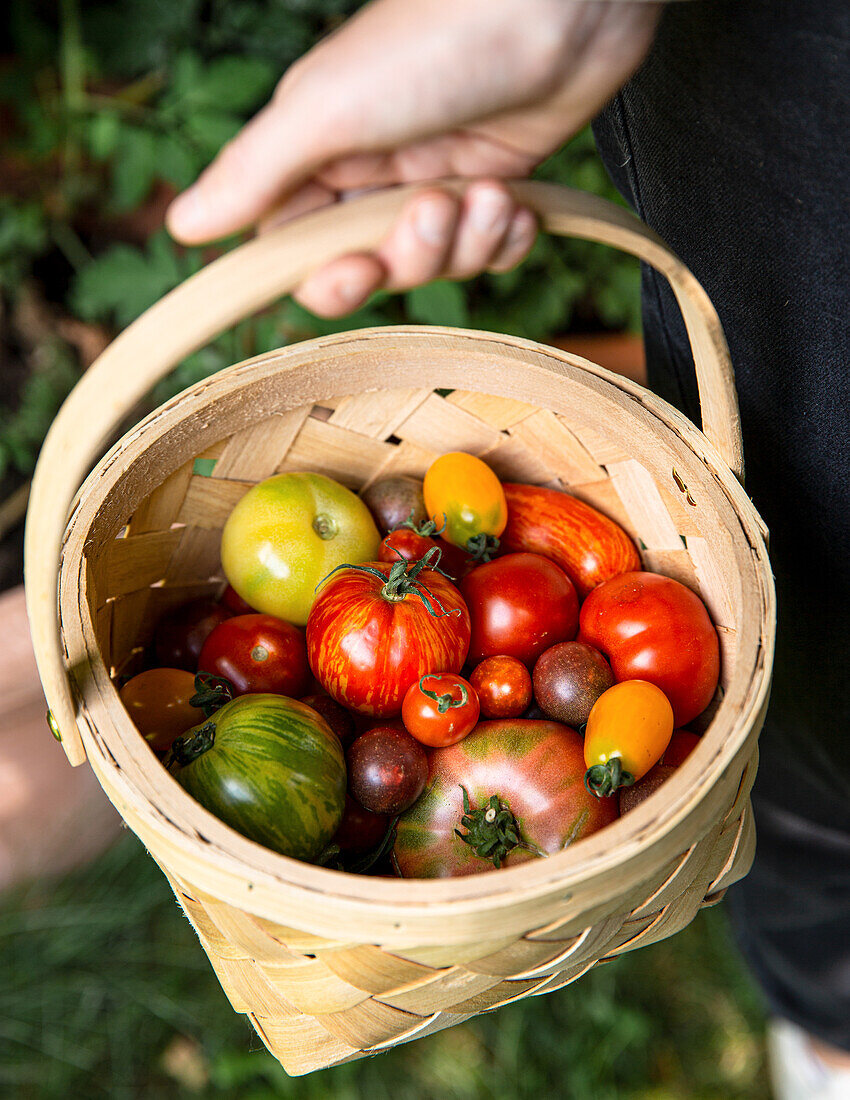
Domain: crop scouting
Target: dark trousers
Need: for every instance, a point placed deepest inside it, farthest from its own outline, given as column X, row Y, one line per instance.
column 733, row 142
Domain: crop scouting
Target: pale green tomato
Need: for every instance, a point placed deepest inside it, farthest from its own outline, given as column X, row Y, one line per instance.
column 286, row 534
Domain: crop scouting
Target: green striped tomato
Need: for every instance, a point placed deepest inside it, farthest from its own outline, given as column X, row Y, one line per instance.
column 270, row 768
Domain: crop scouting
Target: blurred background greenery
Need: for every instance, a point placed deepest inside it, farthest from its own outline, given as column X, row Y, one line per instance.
column 105, row 111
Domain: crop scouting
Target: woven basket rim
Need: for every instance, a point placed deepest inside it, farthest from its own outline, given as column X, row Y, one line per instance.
column 229, row 854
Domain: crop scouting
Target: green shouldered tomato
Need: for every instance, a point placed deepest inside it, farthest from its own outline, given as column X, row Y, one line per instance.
column 270, row 768
column 286, row 534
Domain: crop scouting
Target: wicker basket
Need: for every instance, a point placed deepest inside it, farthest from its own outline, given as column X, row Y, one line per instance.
column 329, row 966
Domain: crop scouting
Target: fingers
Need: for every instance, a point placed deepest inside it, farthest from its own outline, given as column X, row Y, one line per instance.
column 517, row 243
column 437, row 234
column 341, row 286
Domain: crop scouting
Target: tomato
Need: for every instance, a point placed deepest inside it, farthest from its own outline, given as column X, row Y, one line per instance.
column 535, row 770
column 234, row 603
column 519, row 605
column 270, row 768
column 503, row 685
column 286, row 534
column 395, row 500
column 338, row 718
column 180, row 635
column 158, row 703
column 653, row 628
column 629, row 728
column 376, row 629
column 360, row 830
column 682, row 744
column 387, row 769
column 629, row 797
column 463, row 492
column 413, row 543
column 587, row 545
column 440, row 710
column 258, row 653
column 568, row 679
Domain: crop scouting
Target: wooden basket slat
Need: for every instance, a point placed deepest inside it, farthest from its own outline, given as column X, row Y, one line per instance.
column 210, row 500
column 547, row 438
column 139, row 561
column 499, row 412
column 256, row 452
column 339, row 453
column 647, row 509
column 511, row 460
column 159, row 509
column 438, row 426
column 377, row 413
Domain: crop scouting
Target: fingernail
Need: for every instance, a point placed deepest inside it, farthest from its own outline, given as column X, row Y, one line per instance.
column 523, row 225
column 489, row 211
column 432, row 221
column 349, row 292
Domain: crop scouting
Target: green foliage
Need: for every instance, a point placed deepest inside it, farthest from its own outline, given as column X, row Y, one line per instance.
column 104, row 984
column 23, row 428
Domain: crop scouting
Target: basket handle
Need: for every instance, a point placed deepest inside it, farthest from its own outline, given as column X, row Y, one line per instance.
column 248, row 279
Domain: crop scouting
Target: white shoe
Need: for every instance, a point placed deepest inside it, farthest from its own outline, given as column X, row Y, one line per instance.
column 796, row 1071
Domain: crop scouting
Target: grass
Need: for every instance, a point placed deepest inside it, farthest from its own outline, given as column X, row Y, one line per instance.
column 107, row 994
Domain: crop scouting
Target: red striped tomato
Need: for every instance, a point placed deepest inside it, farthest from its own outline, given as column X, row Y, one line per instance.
column 588, row 546
column 376, row 629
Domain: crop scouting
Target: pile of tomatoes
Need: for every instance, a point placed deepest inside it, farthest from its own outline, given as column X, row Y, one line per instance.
column 429, row 678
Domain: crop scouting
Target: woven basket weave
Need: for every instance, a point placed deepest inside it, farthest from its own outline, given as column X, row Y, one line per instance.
column 329, row 966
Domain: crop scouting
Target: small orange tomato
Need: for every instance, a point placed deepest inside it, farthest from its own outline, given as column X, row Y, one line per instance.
column 464, row 493
column 158, row 703
column 440, row 709
column 628, row 729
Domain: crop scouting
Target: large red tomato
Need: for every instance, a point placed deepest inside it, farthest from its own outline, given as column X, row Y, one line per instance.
column 519, row 605
column 258, row 654
column 535, row 770
column 653, row 628
column 376, row 629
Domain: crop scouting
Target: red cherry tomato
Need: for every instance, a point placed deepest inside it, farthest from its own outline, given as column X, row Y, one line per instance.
column 234, row 603
column 158, row 703
column 440, row 710
column 519, row 605
column 387, row 769
column 180, row 635
column 682, row 744
column 258, row 654
column 411, row 544
column 503, row 685
column 653, row 628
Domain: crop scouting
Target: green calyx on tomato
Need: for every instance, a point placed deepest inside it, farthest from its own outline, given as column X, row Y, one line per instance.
column 211, row 693
column 492, row 830
column 403, row 581
column 482, row 547
column 604, row 779
column 446, row 701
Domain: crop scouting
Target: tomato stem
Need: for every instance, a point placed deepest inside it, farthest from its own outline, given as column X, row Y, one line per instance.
column 190, row 746
column 492, row 830
column 447, row 701
column 403, row 581
column 482, row 547
column 603, row 779
column 427, row 529
column 211, row 693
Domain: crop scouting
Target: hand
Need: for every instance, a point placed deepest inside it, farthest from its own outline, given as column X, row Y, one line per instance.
column 411, row 90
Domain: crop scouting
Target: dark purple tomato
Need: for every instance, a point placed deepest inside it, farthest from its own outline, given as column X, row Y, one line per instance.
column 337, row 717
column 387, row 769
column 360, row 831
column 568, row 679
column 633, row 796
column 180, row 635
column 394, row 500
